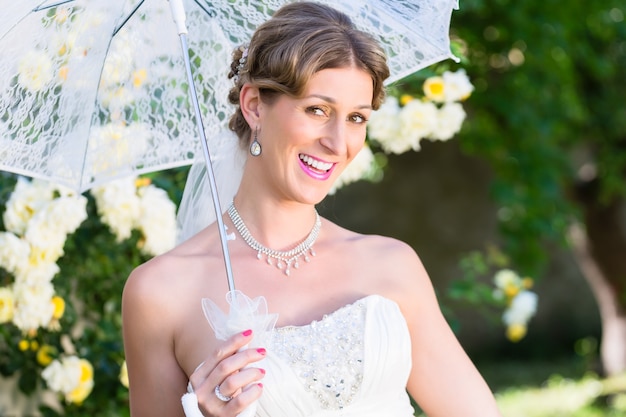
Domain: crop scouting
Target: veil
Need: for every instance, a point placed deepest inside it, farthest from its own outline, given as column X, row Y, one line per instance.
column 196, row 210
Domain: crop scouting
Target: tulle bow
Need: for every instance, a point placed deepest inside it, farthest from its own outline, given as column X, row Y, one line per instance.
column 244, row 313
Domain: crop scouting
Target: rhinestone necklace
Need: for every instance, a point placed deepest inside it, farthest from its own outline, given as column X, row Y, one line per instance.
column 284, row 259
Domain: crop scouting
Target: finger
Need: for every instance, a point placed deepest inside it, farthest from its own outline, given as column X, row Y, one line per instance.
column 232, row 345
column 231, row 379
column 250, row 394
column 223, row 350
column 237, row 382
column 235, row 406
column 236, row 362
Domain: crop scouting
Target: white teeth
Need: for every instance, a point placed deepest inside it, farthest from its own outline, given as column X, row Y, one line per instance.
column 322, row 166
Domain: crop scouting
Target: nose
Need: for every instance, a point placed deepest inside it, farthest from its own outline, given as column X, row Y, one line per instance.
column 334, row 138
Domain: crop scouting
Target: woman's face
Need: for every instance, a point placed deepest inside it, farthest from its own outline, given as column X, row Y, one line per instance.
column 308, row 141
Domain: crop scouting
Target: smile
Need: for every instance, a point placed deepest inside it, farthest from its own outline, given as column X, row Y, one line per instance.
column 316, row 168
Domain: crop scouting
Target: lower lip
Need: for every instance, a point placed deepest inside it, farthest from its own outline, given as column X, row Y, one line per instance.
column 316, row 174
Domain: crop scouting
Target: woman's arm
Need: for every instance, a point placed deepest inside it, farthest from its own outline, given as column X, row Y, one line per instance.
column 154, row 308
column 156, row 380
column 443, row 380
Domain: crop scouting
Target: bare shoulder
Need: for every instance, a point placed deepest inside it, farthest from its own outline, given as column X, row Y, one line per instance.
column 154, row 279
column 389, row 266
column 149, row 291
column 177, row 275
column 399, row 267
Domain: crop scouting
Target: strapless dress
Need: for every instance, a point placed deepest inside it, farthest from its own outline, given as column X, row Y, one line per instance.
column 354, row 362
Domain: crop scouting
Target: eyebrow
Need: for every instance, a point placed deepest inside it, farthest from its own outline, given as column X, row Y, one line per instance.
column 333, row 101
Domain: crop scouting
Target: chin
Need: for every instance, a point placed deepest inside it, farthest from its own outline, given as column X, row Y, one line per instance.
column 314, row 197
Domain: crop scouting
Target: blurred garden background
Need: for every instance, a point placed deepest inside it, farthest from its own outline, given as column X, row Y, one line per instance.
column 518, row 190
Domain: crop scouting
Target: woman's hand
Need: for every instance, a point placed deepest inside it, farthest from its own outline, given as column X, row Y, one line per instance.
column 226, row 371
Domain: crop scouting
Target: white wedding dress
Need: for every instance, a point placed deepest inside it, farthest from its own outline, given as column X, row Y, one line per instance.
column 355, row 362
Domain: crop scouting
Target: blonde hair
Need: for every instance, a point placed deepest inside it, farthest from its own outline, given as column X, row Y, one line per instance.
column 299, row 40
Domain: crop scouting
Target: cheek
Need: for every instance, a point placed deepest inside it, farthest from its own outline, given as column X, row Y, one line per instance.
column 355, row 143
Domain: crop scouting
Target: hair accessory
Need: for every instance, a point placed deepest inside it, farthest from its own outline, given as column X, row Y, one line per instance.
column 255, row 146
column 284, row 259
column 221, row 396
column 242, row 62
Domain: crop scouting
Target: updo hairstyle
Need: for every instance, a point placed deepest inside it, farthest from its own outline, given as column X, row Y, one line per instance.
column 301, row 39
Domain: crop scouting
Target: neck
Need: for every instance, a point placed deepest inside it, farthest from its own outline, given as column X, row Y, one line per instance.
column 277, row 226
column 283, row 259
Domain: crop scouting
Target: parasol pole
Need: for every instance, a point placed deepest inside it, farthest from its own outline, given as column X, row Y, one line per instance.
column 178, row 13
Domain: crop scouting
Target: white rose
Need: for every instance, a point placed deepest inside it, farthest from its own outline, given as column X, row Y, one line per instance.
column 157, row 220
column 33, row 305
column 14, row 252
column 383, row 125
column 37, row 271
column 418, row 120
column 27, row 198
column 62, row 215
column 505, row 278
column 450, row 118
column 63, row 376
column 522, row 308
column 119, row 206
column 47, row 229
column 457, row 85
column 46, row 240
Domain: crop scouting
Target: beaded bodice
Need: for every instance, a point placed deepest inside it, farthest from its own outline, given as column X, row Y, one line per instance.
column 327, row 355
column 354, row 362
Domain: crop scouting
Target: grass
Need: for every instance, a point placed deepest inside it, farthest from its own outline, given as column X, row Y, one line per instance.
column 562, row 387
column 556, row 388
column 588, row 396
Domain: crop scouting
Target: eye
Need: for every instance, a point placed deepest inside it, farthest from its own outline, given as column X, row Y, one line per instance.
column 316, row 111
column 357, row 118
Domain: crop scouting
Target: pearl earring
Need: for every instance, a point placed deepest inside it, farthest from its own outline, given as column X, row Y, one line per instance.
column 255, row 146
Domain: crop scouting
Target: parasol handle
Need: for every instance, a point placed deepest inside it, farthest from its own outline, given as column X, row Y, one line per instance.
column 178, row 12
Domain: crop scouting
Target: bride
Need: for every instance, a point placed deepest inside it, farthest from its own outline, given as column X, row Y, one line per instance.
column 358, row 323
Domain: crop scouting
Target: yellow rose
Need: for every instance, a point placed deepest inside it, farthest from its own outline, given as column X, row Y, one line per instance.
column 85, row 384
column 80, row 393
column 142, row 182
column 405, row 98
column 44, row 355
column 23, row 345
column 511, row 290
column 516, row 332
column 59, row 307
column 434, row 89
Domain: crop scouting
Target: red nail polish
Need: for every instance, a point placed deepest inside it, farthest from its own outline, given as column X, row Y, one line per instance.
column 260, row 385
column 247, row 333
column 262, row 351
column 262, row 371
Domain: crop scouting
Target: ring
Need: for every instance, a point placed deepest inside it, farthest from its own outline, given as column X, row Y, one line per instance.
column 221, row 396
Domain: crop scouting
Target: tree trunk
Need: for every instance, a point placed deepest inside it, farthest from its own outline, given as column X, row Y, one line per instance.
column 613, row 343
column 600, row 250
